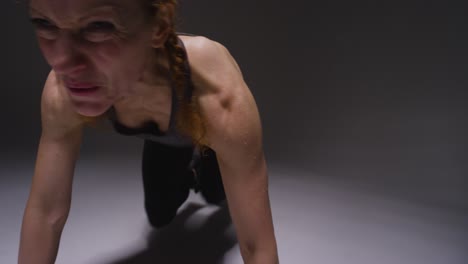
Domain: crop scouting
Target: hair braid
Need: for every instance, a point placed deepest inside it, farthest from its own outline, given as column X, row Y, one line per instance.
column 189, row 120
column 188, row 117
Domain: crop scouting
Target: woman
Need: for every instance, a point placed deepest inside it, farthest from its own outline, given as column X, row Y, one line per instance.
column 122, row 60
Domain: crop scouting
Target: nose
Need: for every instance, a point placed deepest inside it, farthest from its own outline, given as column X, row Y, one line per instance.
column 67, row 56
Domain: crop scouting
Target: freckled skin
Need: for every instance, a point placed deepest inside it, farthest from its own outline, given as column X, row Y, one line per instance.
column 117, row 60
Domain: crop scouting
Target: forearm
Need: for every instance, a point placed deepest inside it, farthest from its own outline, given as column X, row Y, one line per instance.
column 40, row 237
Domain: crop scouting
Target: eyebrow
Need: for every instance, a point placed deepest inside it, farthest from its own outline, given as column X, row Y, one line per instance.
column 108, row 7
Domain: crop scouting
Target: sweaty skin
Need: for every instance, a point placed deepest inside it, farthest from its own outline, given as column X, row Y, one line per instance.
column 118, row 56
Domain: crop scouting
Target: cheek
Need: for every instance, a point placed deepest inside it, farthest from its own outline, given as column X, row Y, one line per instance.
column 122, row 59
column 121, row 64
column 47, row 49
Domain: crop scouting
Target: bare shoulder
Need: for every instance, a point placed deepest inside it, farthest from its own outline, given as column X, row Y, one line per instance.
column 57, row 114
column 227, row 104
column 211, row 63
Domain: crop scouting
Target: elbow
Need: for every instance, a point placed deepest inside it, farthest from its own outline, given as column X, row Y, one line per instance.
column 54, row 217
column 57, row 219
column 253, row 254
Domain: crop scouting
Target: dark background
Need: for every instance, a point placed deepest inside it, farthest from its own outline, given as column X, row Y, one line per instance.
column 372, row 94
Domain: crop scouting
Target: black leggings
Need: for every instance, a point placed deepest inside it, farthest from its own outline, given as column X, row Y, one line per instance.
column 168, row 176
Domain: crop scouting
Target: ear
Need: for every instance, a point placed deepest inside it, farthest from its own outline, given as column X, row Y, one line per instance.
column 160, row 34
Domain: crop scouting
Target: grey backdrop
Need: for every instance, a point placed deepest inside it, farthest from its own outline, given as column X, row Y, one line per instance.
column 365, row 93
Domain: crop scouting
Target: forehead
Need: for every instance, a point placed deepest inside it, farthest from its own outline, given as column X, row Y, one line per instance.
column 68, row 10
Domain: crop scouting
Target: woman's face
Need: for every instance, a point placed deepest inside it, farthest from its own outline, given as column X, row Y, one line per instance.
column 94, row 43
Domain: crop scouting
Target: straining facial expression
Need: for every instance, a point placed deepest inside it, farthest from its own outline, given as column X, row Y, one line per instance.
column 99, row 49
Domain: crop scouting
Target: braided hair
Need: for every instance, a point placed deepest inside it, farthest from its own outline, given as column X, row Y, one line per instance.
column 189, row 119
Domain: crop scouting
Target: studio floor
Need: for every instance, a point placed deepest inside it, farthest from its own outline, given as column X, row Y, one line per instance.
column 316, row 220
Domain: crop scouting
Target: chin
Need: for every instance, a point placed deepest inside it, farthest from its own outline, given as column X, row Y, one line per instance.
column 91, row 109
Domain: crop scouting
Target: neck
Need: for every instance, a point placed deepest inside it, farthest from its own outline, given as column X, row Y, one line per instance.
column 151, row 96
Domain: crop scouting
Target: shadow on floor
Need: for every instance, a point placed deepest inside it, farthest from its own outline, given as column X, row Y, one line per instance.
column 178, row 244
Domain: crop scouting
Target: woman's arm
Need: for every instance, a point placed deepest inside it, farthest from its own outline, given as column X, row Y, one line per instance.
column 234, row 132
column 49, row 199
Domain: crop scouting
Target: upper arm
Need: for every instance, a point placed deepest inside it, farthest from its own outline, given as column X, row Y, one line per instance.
column 234, row 131
column 58, row 150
